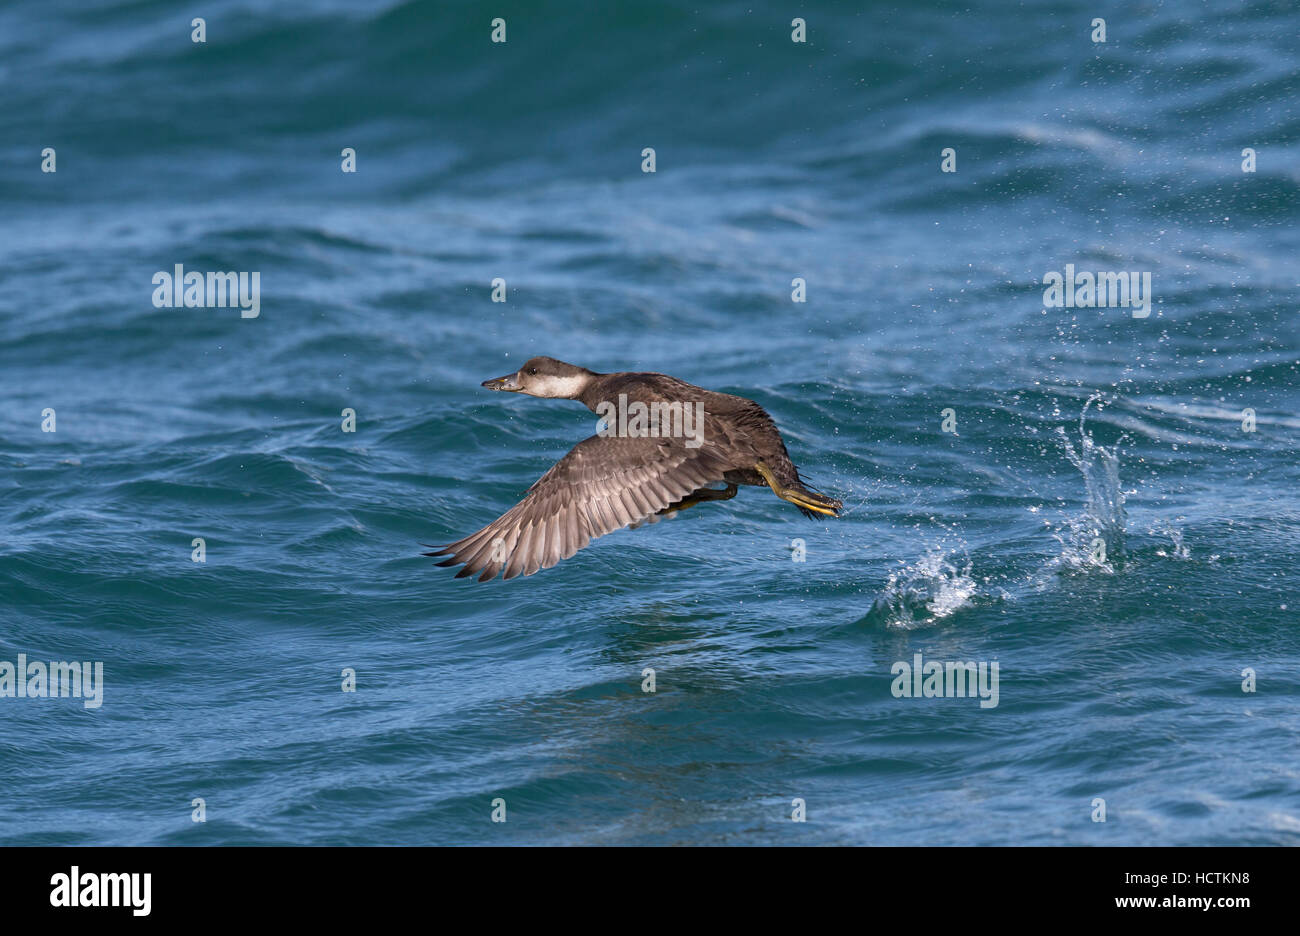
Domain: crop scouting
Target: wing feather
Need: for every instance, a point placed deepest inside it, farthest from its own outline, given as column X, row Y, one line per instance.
column 603, row 484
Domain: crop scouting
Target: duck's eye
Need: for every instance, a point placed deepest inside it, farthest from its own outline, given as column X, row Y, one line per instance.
column 532, row 370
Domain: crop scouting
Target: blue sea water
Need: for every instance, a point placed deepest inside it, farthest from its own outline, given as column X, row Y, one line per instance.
column 1121, row 667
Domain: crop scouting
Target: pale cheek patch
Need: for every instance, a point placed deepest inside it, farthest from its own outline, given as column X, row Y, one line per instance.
column 555, row 386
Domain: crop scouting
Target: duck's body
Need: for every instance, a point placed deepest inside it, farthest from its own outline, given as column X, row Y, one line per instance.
column 620, row 477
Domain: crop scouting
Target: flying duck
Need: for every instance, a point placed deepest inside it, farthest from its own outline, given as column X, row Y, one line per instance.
column 659, row 446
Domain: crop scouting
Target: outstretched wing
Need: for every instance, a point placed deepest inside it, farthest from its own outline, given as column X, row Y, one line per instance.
column 603, row 484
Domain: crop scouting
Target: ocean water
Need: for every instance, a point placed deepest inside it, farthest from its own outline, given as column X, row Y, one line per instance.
column 1102, row 505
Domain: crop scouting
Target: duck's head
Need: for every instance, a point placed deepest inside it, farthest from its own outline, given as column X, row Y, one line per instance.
column 545, row 377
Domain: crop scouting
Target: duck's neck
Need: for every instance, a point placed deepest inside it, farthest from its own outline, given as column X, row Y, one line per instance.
column 593, row 391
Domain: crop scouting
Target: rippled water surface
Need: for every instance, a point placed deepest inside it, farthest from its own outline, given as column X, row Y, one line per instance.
column 1098, row 523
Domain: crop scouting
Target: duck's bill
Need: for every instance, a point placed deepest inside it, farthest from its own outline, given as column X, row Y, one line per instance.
column 509, row 383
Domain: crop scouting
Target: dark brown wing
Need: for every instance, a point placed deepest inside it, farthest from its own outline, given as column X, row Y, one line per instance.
column 603, row 484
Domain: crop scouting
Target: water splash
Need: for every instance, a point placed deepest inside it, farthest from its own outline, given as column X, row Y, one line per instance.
column 926, row 591
column 1177, row 549
column 1094, row 541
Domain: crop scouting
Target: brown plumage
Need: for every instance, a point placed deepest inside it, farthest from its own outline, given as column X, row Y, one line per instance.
column 614, row 480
